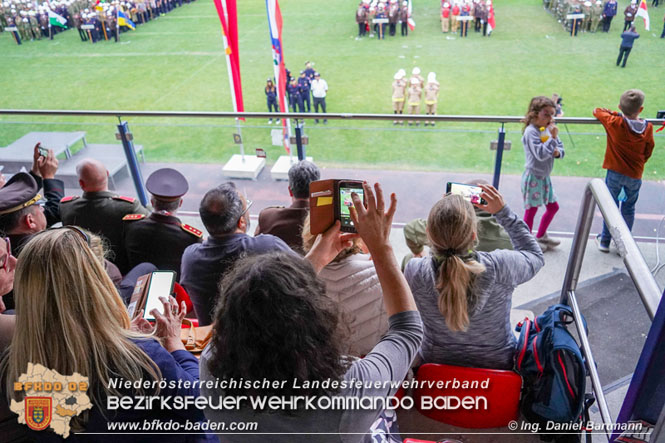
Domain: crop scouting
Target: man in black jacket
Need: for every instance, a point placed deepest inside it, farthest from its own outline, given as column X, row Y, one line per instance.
column 627, row 39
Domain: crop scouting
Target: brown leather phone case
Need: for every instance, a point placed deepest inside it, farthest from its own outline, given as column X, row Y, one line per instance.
column 322, row 205
column 139, row 296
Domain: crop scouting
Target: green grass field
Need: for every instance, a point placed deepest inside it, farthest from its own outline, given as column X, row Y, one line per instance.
column 176, row 63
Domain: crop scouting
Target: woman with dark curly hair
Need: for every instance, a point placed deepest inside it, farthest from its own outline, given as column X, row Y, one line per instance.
column 277, row 334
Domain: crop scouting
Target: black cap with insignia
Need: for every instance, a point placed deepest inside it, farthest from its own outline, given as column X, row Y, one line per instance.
column 18, row 193
column 167, row 184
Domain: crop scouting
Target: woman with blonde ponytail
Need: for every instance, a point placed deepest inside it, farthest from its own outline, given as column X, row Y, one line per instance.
column 464, row 295
column 70, row 319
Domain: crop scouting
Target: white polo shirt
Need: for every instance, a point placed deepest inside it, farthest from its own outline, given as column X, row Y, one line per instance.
column 319, row 88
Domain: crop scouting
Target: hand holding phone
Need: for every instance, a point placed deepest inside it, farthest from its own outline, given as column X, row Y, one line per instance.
column 168, row 324
column 373, row 221
column 492, row 198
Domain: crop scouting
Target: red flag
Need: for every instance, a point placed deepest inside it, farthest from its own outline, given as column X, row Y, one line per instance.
column 491, row 24
column 228, row 16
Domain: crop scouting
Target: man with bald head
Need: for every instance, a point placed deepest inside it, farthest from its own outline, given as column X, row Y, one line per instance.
column 100, row 210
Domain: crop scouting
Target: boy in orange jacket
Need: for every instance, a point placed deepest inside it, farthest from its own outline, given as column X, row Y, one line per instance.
column 629, row 146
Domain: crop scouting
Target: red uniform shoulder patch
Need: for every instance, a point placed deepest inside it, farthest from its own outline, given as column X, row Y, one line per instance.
column 133, row 217
column 192, row 230
column 123, row 198
column 68, row 199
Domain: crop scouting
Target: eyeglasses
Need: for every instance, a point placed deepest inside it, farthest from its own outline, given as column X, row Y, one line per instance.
column 3, row 266
column 249, row 205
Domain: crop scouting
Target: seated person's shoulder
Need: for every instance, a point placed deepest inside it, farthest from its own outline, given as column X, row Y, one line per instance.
column 266, row 243
column 270, row 213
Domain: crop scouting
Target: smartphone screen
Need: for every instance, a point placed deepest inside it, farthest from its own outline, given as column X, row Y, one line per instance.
column 43, row 151
column 345, row 202
column 161, row 284
column 469, row 192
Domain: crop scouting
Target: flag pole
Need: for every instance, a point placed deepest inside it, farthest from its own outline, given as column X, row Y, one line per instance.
column 227, row 51
column 117, row 25
column 286, row 142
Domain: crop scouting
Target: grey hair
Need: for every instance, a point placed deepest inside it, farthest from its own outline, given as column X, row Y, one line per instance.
column 300, row 176
column 220, row 209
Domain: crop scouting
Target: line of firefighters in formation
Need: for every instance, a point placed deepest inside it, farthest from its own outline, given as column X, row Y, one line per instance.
column 34, row 21
column 595, row 13
column 392, row 12
column 410, row 92
column 457, row 15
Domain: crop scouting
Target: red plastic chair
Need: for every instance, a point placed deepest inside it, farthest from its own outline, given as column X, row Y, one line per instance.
column 413, row 440
column 502, row 396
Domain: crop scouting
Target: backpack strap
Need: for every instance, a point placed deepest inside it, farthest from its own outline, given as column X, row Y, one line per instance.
column 525, row 343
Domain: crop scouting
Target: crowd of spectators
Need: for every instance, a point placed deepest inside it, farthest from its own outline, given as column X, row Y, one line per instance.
column 285, row 306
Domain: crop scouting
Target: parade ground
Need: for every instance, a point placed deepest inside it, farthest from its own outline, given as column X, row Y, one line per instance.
column 176, row 62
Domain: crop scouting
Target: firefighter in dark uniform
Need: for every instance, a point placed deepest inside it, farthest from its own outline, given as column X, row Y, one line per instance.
column 304, row 85
column 12, row 24
column 99, row 210
column 160, row 238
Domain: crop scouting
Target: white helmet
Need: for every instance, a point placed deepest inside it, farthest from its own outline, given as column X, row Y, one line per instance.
column 415, row 71
column 431, row 77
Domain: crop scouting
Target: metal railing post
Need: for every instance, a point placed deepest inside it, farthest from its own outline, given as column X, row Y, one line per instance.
column 597, row 193
column 591, row 363
column 132, row 162
column 582, row 229
column 499, row 157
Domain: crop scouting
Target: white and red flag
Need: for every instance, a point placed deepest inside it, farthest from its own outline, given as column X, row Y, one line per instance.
column 410, row 22
column 491, row 24
column 642, row 12
column 228, row 16
column 275, row 25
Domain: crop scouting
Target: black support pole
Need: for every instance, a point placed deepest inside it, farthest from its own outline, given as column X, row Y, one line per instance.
column 499, row 157
column 133, row 163
column 301, row 148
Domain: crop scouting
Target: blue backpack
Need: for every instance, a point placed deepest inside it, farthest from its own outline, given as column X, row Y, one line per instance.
column 551, row 364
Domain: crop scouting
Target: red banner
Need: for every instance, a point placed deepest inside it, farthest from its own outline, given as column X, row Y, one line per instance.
column 229, row 21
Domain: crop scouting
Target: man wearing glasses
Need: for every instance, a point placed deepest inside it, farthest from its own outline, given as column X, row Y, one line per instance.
column 225, row 215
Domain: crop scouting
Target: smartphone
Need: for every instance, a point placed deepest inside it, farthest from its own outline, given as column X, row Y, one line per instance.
column 42, row 151
column 469, row 192
column 345, row 202
column 161, row 284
